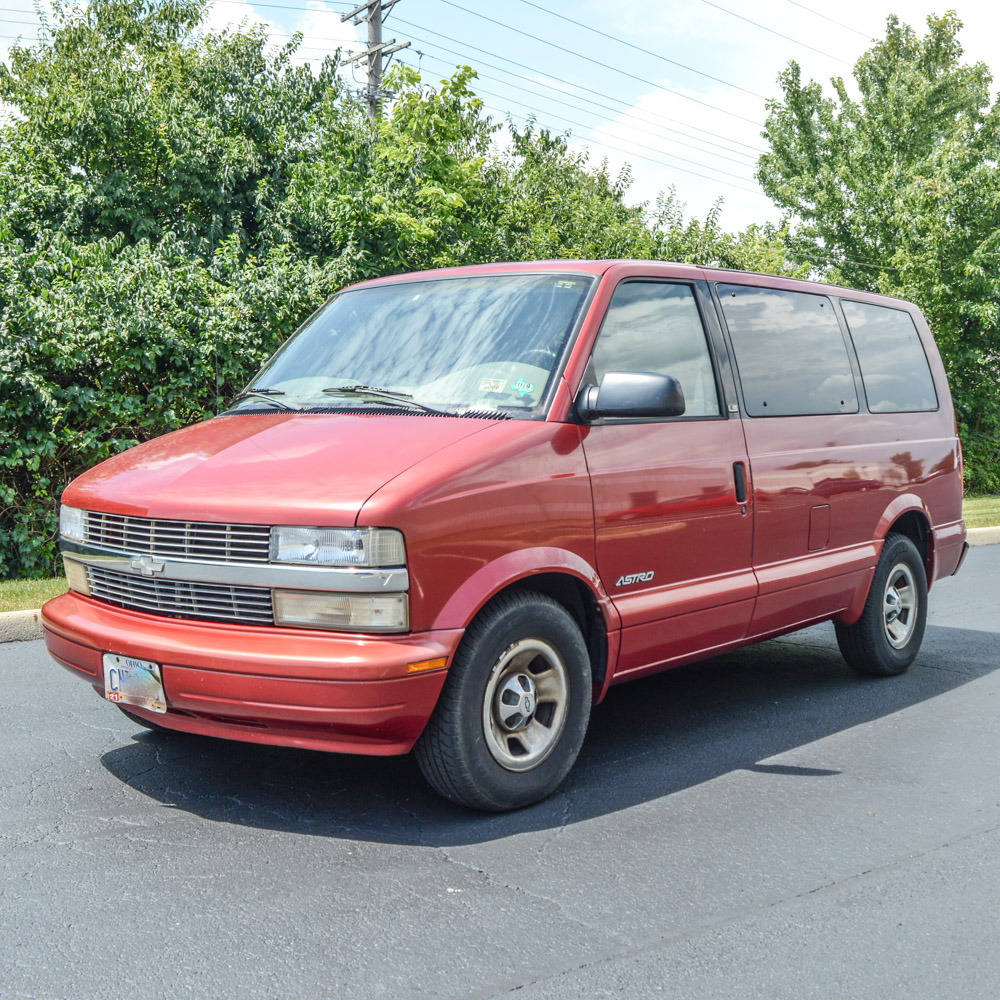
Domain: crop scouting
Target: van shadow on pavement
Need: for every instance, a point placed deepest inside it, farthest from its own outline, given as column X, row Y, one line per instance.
column 648, row 739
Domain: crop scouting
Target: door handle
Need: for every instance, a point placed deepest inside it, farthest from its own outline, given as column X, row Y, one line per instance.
column 740, row 478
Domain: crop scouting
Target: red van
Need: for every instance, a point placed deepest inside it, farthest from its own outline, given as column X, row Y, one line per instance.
column 458, row 505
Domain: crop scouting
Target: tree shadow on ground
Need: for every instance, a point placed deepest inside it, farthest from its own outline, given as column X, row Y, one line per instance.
column 649, row 738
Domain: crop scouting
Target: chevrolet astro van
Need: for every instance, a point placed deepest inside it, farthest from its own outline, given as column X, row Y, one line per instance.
column 456, row 506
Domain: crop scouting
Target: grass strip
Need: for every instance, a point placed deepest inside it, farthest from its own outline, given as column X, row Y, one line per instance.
column 981, row 512
column 26, row 595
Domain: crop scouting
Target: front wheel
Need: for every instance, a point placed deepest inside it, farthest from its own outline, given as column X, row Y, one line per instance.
column 886, row 638
column 514, row 709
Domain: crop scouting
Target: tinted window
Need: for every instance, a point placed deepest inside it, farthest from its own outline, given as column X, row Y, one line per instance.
column 790, row 352
column 652, row 326
column 893, row 364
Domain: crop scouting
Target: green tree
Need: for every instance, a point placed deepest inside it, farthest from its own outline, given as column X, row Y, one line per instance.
column 898, row 191
column 173, row 204
column 126, row 120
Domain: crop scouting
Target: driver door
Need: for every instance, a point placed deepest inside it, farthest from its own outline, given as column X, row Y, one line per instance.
column 673, row 540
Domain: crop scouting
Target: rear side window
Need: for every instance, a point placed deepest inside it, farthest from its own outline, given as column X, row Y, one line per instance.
column 653, row 326
column 790, row 353
column 893, row 363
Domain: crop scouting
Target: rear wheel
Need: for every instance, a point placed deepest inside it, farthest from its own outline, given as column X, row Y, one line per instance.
column 514, row 709
column 886, row 638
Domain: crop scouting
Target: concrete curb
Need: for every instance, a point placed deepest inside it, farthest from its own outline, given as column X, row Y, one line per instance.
column 20, row 626
column 983, row 536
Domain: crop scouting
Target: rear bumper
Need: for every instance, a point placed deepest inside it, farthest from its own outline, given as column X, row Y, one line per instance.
column 289, row 687
column 950, row 547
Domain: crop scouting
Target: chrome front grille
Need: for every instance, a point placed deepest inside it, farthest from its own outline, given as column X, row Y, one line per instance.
column 205, row 541
column 214, row 602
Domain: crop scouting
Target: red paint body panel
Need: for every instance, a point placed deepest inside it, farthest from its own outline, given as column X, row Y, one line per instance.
column 319, row 469
column 269, row 685
column 486, row 504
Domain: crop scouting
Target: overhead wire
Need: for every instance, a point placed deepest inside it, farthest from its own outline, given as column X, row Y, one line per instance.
column 613, row 116
column 662, row 152
column 764, row 27
column 556, row 79
column 603, row 65
column 638, row 48
column 530, row 69
column 683, row 159
column 617, row 149
column 826, row 17
column 696, row 163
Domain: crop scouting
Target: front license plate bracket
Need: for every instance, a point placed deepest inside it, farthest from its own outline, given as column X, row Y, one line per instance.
column 131, row 681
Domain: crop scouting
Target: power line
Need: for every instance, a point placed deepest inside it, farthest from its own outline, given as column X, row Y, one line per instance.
column 480, row 90
column 683, row 159
column 764, row 27
column 840, row 24
column 639, row 48
column 597, row 62
column 556, row 79
column 613, row 111
column 617, row 149
column 645, row 131
column 566, row 104
column 649, row 117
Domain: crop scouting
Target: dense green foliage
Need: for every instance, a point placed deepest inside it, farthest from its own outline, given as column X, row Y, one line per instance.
column 173, row 204
column 902, row 188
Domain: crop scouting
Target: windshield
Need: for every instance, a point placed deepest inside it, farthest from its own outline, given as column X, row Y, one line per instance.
column 456, row 344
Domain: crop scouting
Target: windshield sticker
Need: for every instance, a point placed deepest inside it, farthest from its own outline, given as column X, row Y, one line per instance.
column 522, row 388
column 491, row 385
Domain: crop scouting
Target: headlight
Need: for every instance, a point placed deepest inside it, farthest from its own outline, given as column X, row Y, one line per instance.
column 71, row 523
column 363, row 547
column 341, row 612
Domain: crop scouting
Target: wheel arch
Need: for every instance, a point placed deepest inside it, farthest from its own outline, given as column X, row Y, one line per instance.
column 908, row 515
column 565, row 578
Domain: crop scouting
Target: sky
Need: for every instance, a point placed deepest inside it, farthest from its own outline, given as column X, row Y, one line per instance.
column 676, row 89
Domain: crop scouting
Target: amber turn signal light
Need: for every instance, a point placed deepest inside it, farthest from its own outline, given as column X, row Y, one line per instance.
column 415, row 668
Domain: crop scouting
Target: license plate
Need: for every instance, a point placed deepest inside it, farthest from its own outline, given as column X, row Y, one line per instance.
column 130, row 681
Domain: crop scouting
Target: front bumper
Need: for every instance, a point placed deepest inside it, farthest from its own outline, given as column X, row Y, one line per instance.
column 283, row 686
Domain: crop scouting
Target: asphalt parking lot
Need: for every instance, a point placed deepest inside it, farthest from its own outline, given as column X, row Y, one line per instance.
column 763, row 825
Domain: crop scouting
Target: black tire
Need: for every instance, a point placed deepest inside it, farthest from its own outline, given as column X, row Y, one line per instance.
column 522, row 645
column 139, row 721
column 886, row 638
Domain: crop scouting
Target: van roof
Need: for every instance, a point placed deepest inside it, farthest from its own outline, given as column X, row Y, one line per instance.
column 663, row 267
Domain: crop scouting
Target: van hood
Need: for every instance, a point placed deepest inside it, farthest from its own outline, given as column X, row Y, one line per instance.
column 282, row 468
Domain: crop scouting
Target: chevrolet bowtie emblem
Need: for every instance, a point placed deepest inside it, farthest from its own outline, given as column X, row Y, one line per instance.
column 146, row 565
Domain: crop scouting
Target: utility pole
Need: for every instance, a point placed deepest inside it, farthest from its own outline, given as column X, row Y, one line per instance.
column 375, row 13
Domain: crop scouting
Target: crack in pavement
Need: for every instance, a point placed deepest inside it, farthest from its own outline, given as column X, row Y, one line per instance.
column 731, row 917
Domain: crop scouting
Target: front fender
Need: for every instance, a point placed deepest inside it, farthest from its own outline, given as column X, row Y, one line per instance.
column 518, row 568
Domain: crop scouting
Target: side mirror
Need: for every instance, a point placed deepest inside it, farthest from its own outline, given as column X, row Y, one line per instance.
column 631, row 394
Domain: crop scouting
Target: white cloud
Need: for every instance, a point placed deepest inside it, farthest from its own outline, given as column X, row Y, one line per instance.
column 702, row 36
column 321, row 27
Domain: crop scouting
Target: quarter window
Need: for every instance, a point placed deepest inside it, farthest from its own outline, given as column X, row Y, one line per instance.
column 790, row 352
column 652, row 326
column 893, row 364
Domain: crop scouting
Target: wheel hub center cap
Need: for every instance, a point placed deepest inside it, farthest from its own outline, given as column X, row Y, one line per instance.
column 893, row 605
column 516, row 701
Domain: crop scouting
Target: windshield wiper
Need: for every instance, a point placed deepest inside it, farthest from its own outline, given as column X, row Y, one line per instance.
column 268, row 395
column 398, row 398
